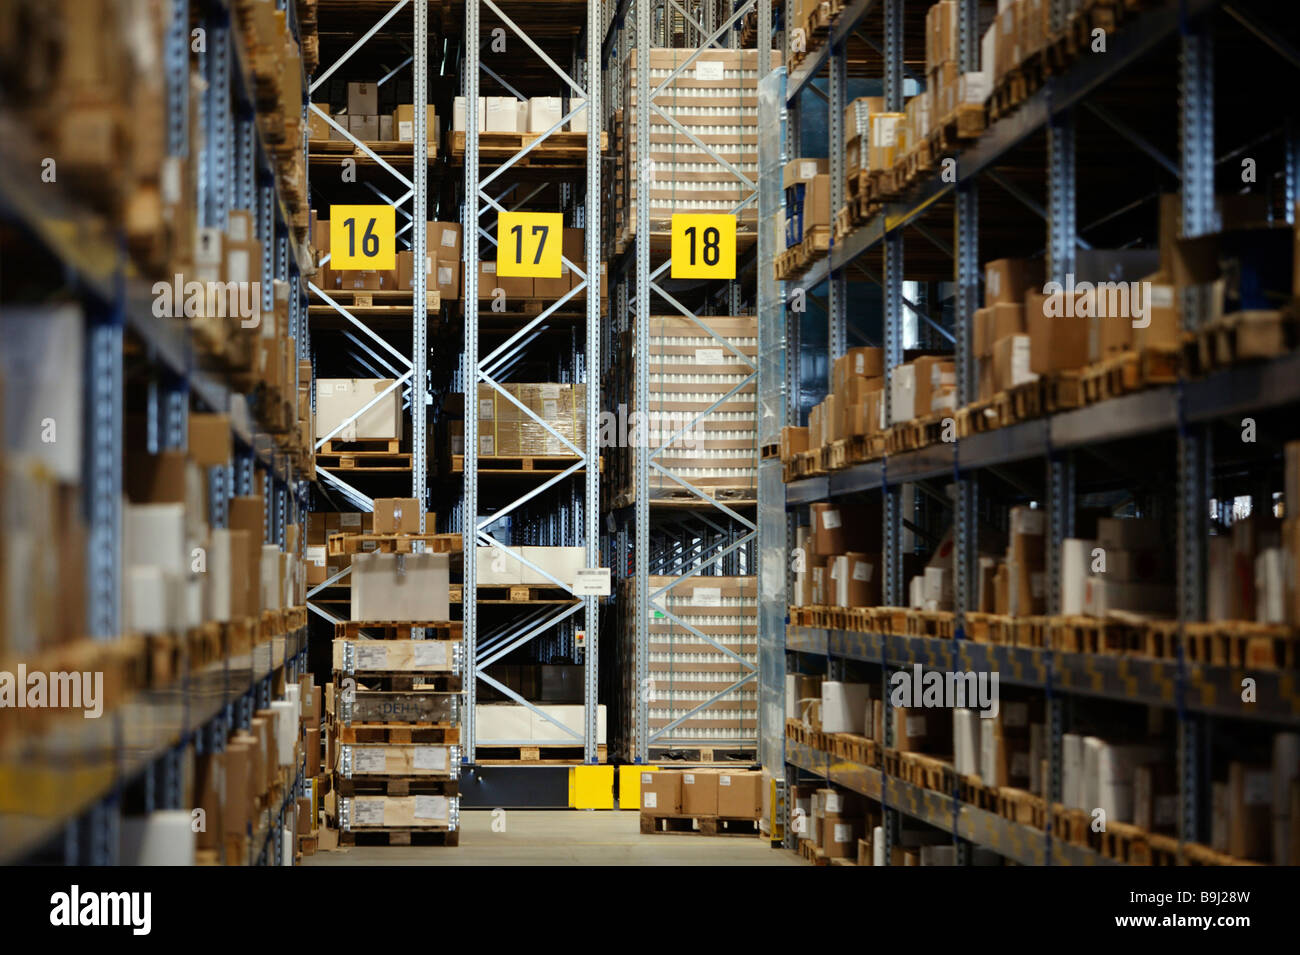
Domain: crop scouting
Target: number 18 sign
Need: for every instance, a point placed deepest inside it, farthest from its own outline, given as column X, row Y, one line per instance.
column 704, row 246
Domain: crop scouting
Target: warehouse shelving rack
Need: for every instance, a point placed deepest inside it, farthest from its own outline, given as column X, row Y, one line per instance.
column 1186, row 411
column 562, row 509
column 366, row 348
column 703, row 536
column 150, row 736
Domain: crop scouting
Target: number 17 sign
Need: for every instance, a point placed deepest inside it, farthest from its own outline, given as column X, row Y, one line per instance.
column 704, row 246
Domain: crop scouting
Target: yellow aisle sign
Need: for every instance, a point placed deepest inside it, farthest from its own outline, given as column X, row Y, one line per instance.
column 529, row 244
column 704, row 246
column 362, row 237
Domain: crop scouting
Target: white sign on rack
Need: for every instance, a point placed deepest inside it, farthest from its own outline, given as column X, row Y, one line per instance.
column 592, row 582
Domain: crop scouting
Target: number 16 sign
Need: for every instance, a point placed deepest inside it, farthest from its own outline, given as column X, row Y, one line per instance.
column 704, row 246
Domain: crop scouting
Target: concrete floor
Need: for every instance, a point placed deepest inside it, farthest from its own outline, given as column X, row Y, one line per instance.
column 566, row 837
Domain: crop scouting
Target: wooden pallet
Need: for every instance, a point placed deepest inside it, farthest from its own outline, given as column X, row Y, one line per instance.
column 395, row 786
column 957, row 130
column 1020, row 806
column 856, row 749
column 541, row 754
column 511, row 593
column 413, row 733
column 1240, row 643
column 364, row 461
column 393, row 543
column 398, row 630
column 561, row 148
column 1125, row 843
column 1241, row 337
column 399, row 837
column 684, row 755
column 930, row 623
column 811, row 854
column 492, row 464
column 972, row 791
column 653, row 822
column 925, row 771
column 1070, row 825
column 380, row 445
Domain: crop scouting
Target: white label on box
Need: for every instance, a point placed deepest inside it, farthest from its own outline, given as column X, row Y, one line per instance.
column 366, row 760
column 486, row 407
column 708, row 69
column 406, row 130
column 368, row 546
column 431, row 757
column 486, row 444
column 316, row 555
column 649, row 800
column 489, row 267
column 592, row 582
column 371, row 657
column 1257, row 789
column 550, row 409
column 449, row 238
column 367, row 812
column 430, row 807
column 349, row 519
column 915, row 726
column 444, row 275
column 645, row 779
column 833, row 804
column 843, row 832
column 835, row 570
column 862, row 570
column 708, row 356
column 724, row 780
column 830, row 519
column 807, row 170
column 237, row 262
column 324, row 388
column 431, row 653
column 688, row 779
column 706, row 597
column 1162, row 296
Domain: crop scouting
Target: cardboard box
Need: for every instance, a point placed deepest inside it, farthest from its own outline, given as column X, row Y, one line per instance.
column 794, row 440
column 512, row 286
column 740, row 795
column 839, row 837
column 339, row 398
column 844, row 706
column 458, row 114
column 403, row 120
column 397, row 515
column 700, row 793
column 661, row 791
column 400, row 587
column 1006, row 281
column 1011, row 362
column 1057, row 343
column 543, row 113
column 502, row 115
column 317, row 127
column 364, row 127
column 363, row 99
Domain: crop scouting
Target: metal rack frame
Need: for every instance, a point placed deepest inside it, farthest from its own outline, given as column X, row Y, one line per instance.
column 578, row 520
column 412, row 375
column 234, row 171
column 1186, row 409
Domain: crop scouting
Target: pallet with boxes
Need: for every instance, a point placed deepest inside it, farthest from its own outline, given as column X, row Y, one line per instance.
column 693, row 364
column 686, row 670
column 706, row 802
column 716, row 99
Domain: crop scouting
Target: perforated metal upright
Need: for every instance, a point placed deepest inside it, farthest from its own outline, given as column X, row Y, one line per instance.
column 365, row 346
column 648, row 285
column 577, row 521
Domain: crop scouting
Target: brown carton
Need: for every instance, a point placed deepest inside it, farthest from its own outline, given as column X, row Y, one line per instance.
column 661, row 792
column 700, row 793
column 739, row 795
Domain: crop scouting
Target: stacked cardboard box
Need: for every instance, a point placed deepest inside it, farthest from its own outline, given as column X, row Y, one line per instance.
column 855, row 404
column 686, row 671
column 921, row 387
column 690, row 370
column 701, row 794
column 948, row 87
column 716, row 98
column 338, row 400
column 1134, row 572
column 505, row 429
column 807, row 186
